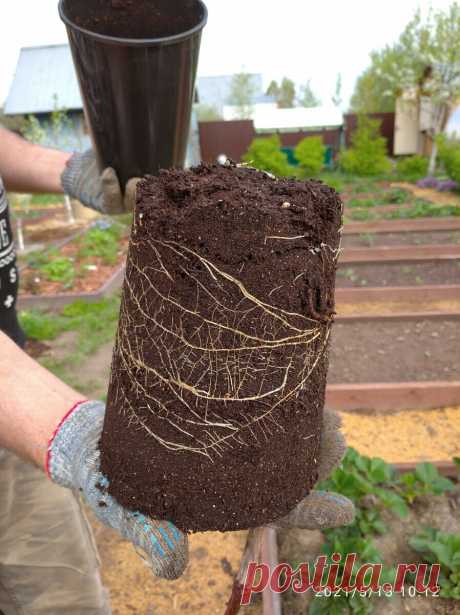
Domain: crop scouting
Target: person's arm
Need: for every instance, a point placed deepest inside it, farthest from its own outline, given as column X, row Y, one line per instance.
column 46, row 423
column 32, row 403
column 26, row 167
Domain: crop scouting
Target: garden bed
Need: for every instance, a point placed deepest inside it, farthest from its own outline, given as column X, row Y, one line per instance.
column 408, row 518
column 376, row 240
column 405, row 255
column 82, row 266
column 421, row 225
column 395, row 351
column 378, row 275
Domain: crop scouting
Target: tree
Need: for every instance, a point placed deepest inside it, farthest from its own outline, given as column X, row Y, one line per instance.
column 284, row 94
column 273, row 89
column 242, row 92
column 372, row 92
column 423, row 63
column 307, row 96
column 337, row 96
column 287, row 93
column 207, row 113
column 368, row 154
column 310, row 154
column 265, row 154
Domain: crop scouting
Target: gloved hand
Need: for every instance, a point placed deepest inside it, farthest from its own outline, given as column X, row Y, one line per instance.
column 73, row 462
column 320, row 509
column 81, row 180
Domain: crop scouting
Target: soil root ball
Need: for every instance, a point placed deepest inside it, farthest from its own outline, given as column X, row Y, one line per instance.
column 219, row 371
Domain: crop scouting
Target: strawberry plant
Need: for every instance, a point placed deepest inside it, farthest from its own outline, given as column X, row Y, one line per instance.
column 441, row 548
column 426, row 480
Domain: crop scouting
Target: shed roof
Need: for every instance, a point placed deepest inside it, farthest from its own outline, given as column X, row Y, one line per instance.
column 45, row 79
column 268, row 117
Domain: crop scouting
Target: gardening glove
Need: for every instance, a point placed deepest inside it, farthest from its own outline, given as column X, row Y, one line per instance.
column 74, row 461
column 321, row 510
column 81, row 180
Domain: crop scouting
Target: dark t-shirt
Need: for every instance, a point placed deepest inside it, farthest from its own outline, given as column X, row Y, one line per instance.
column 8, row 275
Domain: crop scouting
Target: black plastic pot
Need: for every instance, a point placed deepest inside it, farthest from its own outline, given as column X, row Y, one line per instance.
column 136, row 62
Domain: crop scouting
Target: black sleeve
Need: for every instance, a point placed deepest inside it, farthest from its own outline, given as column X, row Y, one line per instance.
column 8, row 275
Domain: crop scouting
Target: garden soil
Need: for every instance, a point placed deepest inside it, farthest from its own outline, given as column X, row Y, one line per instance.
column 218, row 377
column 137, row 19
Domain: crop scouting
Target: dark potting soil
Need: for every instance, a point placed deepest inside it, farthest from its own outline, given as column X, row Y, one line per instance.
column 215, row 405
column 399, row 274
column 136, row 19
column 415, row 350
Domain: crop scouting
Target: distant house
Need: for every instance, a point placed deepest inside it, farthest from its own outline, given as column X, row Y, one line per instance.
column 414, row 124
column 45, row 81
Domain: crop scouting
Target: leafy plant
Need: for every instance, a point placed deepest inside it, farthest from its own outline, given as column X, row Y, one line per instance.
column 39, row 326
column 449, row 155
column 362, row 215
column 424, row 209
column 425, row 480
column 265, row 154
column 361, row 476
column 102, row 243
column 396, row 196
column 310, row 154
column 334, row 180
column 368, row 154
column 94, row 322
column 371, row 484
column 60, row 269
column 443, row 548
column 412, row 168
column 362, row 203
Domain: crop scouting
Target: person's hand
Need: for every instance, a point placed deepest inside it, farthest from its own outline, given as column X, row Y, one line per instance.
column 81, row 180
column 74, row 462
column 322, row 510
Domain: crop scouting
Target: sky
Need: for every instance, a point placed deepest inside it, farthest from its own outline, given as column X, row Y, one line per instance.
column 301, row 39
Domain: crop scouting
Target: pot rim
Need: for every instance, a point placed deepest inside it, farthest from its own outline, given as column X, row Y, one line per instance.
column 137, row 42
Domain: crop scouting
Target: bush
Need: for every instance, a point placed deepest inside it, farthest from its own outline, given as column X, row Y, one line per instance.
column 449, row 155
column 310, row 153
column 412, row 167
column 265, row 154
column 368, row 154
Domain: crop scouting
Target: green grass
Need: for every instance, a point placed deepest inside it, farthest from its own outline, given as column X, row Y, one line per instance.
column 94, row 323
column 43, row 200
